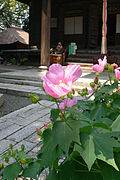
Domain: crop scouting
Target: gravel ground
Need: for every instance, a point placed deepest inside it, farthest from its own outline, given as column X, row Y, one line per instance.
column 12, row 103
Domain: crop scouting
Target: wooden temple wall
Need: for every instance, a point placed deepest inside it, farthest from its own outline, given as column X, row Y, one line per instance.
column 90, row 10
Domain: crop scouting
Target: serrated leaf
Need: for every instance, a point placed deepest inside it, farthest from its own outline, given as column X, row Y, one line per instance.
column 87, row 149
column 33, row 170
column 65, row 133
column 12, row 171
column 34, row 98
column 104, row 143
column 116, row 124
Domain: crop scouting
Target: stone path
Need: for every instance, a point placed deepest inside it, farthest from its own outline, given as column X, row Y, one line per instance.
column 19, row 127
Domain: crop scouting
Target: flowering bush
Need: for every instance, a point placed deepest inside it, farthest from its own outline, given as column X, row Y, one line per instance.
column 83, row 139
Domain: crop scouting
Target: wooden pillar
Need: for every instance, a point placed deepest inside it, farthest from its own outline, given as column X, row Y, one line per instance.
column 93, row 26
column 61, row 25
column 45, row 32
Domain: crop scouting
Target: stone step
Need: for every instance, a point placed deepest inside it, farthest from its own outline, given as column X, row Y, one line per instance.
column 84, row 66
column 80, row 60
column 21, row 90
column 21, row 77
column 21, row 82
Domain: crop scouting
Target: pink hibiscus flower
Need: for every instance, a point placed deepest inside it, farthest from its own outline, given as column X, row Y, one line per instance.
column 117, row 73
column 58, row 82
column 70, row 103
column 100, row 66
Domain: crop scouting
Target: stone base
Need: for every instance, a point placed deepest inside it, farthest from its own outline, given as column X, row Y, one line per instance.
column 1, row 99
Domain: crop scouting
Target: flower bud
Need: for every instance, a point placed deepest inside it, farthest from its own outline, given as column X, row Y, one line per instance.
column 1, row 165
column 6, row 159
column 92, row 84
column 108, row 105
column 23, row 161
column 111, row 68
column 115, row 79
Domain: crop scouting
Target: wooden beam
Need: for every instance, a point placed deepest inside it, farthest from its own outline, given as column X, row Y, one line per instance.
column 45, row 32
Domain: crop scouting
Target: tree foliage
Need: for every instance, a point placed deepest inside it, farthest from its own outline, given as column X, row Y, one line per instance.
column 13, row 13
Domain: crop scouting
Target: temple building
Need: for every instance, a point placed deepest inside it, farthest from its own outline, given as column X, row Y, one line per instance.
column 79, row 21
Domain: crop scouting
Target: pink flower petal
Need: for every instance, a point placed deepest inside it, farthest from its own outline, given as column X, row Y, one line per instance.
column 70, row 103
column 98, row 68
column 117, row 73
column 104, row 61
column 58, row 82
column 55, row 73
column 56, row 90
column 73, row 71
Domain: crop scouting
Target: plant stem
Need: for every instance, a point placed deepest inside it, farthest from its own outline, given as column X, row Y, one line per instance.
column 44, row 105
column 110, row 79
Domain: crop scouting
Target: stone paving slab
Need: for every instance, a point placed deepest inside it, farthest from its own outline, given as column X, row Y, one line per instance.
column 19, row 127
column 9, row 130
column 4, row 145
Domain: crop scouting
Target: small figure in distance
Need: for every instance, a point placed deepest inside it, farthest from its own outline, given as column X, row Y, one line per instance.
column 59, row 48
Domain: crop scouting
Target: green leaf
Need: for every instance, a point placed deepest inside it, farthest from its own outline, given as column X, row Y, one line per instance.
column 12, row 171
column 74, row 168
column 34, row 98
column 22, row 155
column 104, row 144
column 106, row 89
column 98, row 111
column 78, row 114
column 52, row 176
column 64, row 133
column 102, row 125
column 54, row 114
column 33, row 170
column 49, row 151
column 87, row 149
column 116, row 124
column 108, row 172
column 117, row 159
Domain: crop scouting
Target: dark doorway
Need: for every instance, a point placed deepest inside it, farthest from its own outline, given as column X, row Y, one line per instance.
column 111, row 29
